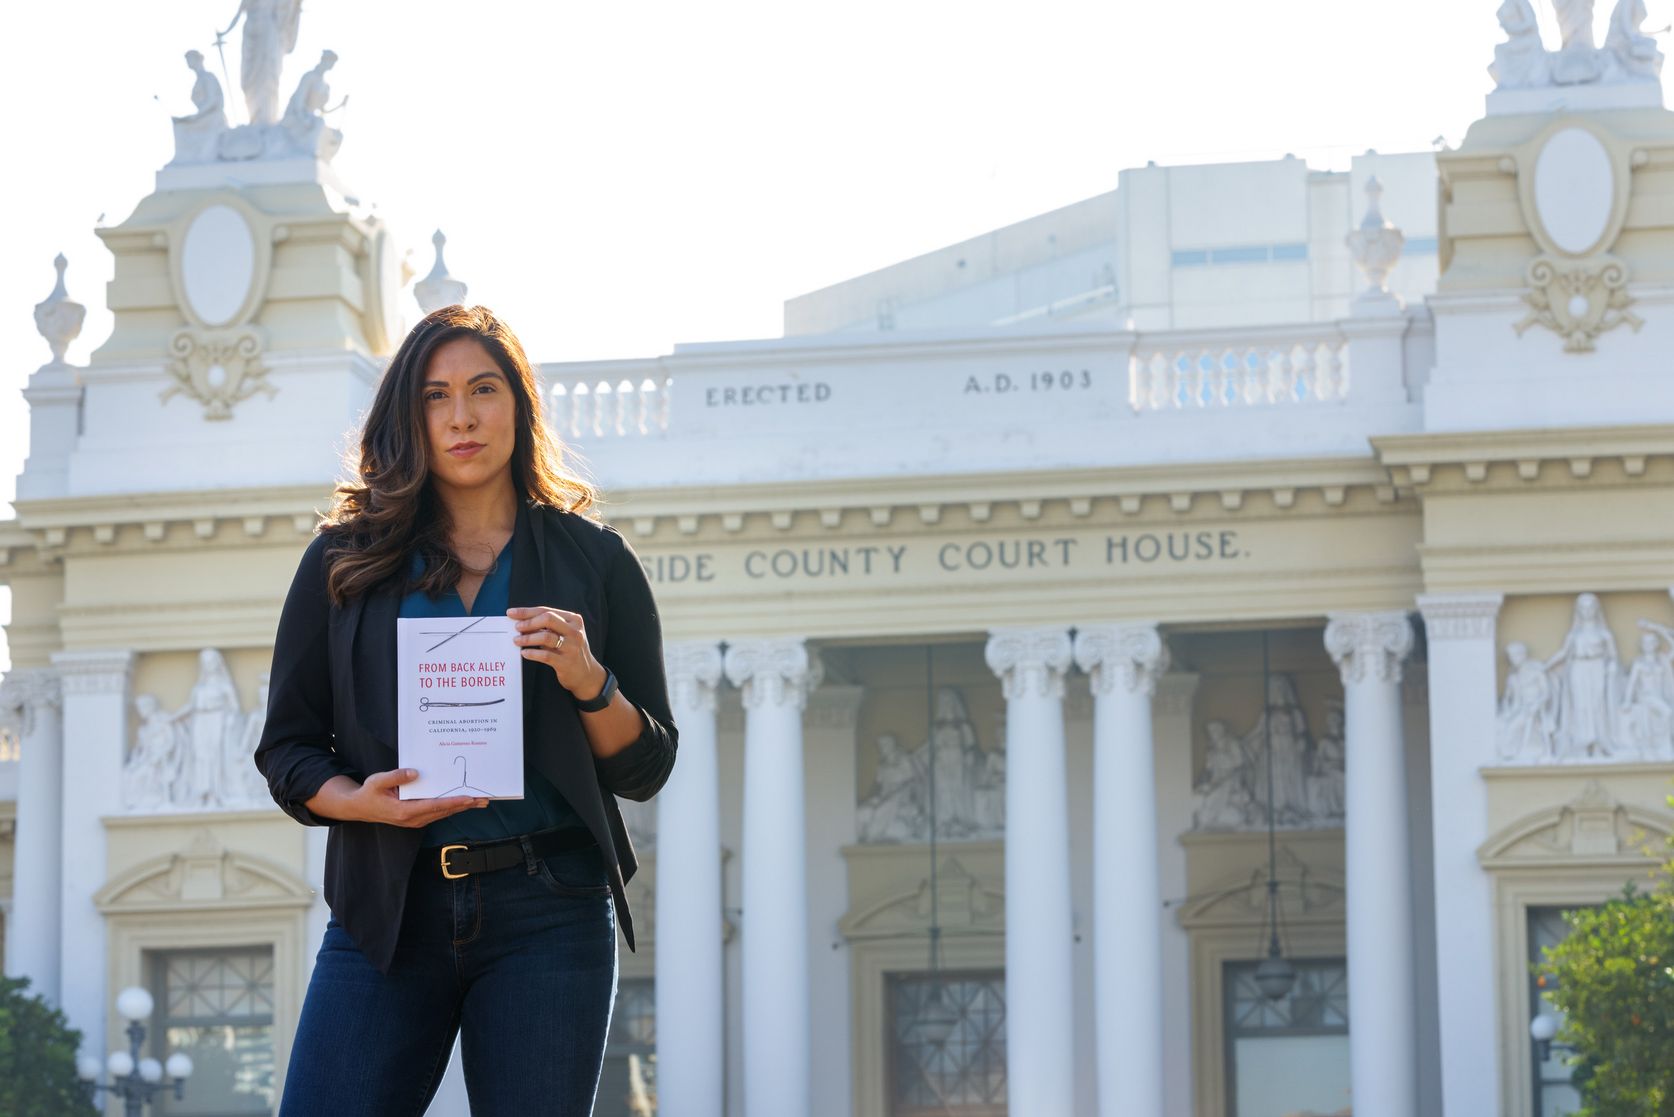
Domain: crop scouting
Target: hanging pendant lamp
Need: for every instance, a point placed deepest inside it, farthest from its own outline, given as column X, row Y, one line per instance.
column 1275, row 976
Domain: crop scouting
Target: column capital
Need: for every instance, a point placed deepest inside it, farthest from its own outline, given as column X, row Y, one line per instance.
column 1369, row 647
column 26, row 691
column 98, row 671
column 1460, row 616
column 1029, row 660
column 773, row 672
column 693, row 668
column 1121, row 657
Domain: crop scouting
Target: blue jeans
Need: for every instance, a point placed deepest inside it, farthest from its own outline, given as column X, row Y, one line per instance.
column 521, row 962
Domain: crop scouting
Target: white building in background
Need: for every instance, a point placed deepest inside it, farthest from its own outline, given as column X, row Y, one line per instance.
column 1241, row 495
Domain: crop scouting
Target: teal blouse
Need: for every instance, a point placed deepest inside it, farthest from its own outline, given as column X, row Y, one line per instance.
column 542, row 806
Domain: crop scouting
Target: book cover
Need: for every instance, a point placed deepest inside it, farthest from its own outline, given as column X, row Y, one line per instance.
column 460, row 695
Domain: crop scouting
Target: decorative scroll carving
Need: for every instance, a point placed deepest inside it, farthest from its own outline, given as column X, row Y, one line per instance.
column 25, row 693
column 773, row 672
column 1307, row 782
column 1578, row 301
column 218, row 368
column 970, row 782
column 1369, row 647
column 1582, row 705
column 1128, row 657
column 197, row 757
column 1029, row 661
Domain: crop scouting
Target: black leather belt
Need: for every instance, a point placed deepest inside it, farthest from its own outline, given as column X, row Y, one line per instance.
column 458, row 860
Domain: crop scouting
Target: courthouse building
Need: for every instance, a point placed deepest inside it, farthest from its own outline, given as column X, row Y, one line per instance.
column 1013, row 600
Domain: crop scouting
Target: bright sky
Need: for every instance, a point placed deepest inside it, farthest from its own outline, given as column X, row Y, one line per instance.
column 615, row 177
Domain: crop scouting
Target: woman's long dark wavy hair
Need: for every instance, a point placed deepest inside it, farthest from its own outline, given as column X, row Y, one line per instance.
column 390, row 510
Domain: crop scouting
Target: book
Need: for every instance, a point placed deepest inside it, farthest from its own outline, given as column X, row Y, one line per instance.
column 460, row 700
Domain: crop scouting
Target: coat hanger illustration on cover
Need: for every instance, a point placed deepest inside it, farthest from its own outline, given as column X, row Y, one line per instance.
column 464, row 785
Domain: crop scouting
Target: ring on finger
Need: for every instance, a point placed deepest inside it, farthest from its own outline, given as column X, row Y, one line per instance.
column 560, row 643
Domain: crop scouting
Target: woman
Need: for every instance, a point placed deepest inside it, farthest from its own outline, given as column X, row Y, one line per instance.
column 497, row 919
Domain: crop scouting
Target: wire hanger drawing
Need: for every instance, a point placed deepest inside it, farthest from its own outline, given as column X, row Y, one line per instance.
column 425, row 702
column 464, row 785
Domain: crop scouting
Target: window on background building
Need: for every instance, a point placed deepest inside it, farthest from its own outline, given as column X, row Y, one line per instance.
column 633, row 1032
column 217, row 1006
column 1554, row 1096
column 947, row 1057
column 1289, row 1056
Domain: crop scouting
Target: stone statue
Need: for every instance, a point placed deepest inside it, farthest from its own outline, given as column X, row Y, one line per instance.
column 1631, row 52
column 306, row 131
column 1647, row 710
column 270, row 28
column 149, row 774
column 197, row 134
column 1288, row 740
column 1521, row 61
column 1578, row 59
column 990, row 796
column 212, row 716
column 244, row 782
column 957, row 756
column 1587, row 669
column 1224, row 799
column 1326, row 769
column 894, row 811
column 1525, row 725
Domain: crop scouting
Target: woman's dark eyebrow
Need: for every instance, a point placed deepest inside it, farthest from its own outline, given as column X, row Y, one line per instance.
column 468, row 383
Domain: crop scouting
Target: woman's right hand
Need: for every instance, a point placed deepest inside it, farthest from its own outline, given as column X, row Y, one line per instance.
column 379, row 800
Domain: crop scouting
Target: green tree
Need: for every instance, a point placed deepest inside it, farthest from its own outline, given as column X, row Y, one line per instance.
column 1614, row 981
column 37, row 1057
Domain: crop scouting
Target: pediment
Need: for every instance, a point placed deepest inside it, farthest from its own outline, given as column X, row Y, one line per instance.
column 204, row 877
column 964, row 903
column 1240, row 899
column 1592, row 828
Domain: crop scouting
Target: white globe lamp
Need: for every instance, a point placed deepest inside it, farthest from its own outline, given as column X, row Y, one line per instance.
column 134, row 1003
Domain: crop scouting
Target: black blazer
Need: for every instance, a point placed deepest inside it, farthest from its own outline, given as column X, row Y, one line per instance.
column 331, row 710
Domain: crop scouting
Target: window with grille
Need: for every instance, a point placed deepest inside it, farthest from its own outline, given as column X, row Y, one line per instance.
column 217, row 1006
column 1554, row 1096
column 633, row 1032
column 947, row 1052
column 1288, row 1056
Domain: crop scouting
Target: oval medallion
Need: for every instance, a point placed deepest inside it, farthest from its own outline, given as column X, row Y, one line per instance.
column 1574, row 189
column 217, row 264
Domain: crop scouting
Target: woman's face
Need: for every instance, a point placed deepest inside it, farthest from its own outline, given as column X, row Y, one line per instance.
column 470, row 415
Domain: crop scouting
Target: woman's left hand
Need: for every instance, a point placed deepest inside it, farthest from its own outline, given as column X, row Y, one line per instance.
column 558, row 638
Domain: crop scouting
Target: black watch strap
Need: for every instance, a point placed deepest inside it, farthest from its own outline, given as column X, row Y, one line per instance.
column 594, row 705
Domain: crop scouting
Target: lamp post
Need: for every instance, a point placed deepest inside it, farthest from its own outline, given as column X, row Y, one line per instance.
column 136, row 1080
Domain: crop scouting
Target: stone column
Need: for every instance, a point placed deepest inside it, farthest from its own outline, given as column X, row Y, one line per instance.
column 775, row 676
column 1040, row 1048
column 33, row 699
column 1123, row 662
column 1461, row 653
column 95, row 739
column 691, row 1007
column 1383, row 1047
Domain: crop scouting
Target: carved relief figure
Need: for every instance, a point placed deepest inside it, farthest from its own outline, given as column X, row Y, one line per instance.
column 1289, row 741
column 1632, row 53
column 1224, row 799
column 1586, row 667
column 243, row 780
column 970, row 783
column 1525, row 724
column 212, row 716
column 1647, row 711
column 1521, row 61
column 1326, row 769
column 197, row 133
column 1578, row 59
column 894, row 811
column 149, row 774
column 304, row 119
column 270, row 28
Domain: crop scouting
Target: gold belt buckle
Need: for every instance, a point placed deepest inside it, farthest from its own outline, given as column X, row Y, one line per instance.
column 445, row 872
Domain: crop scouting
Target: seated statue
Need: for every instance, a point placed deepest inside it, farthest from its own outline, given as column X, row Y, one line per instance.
column 306, row 132
column 197, row 134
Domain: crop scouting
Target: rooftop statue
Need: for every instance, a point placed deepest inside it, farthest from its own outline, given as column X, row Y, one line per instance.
column 1578, row 59
column 304, row 120
column 269, row 34
column 1521, row 61
column 197, row 134
column 1631, row 52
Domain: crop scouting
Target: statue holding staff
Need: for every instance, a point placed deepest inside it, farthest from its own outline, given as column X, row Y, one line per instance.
column 269, row 34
